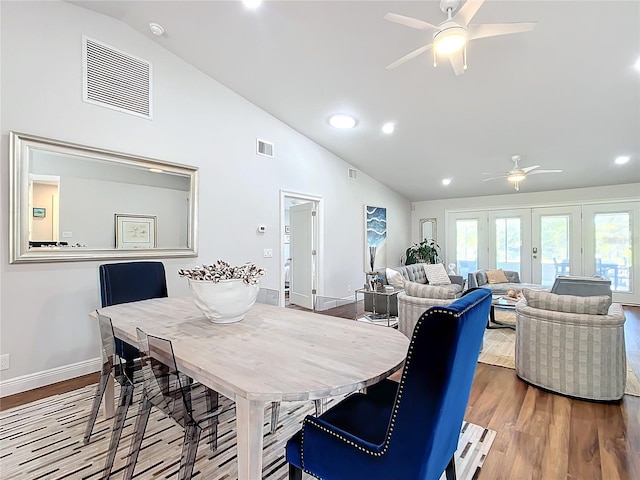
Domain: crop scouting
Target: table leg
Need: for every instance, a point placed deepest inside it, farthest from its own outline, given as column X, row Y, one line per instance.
column 109, row 395
column 497, row 323
column 249, row 423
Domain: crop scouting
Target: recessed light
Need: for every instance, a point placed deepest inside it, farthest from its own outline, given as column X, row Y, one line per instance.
column 252, row 3
column 446, row 181
column 638, row 64
column 342, row 121
column 156, row 29
column 388, row 127
column 622, row 159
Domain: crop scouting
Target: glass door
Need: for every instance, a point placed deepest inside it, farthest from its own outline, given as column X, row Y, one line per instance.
column 611, row 250
column 556, row 243
column 509, row 241
column 464, row 245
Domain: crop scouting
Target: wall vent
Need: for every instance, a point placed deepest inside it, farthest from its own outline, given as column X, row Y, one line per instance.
column 115, row 79
column 264, row 148
column 353, row 174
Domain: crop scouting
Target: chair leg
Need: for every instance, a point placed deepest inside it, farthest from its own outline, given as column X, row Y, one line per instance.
column 141, row 425
column 189, row 449
column 294, row 473
column 126, row 394
column 450, row 471
column 97, row 400
column 212, row 405
column 275, row 413
column 321, row 405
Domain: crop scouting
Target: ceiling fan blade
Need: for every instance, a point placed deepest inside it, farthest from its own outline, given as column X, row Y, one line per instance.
column 409, row 56
column 409, row 22
column 494, row 29
column 494, row 178
column 456, row 62
column 467, row 11
column 545, row 171
column 528, row 169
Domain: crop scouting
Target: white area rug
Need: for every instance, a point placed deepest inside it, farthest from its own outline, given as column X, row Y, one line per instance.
column 43, row 440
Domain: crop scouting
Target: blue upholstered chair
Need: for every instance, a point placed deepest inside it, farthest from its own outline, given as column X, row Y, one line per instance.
column 122, row 283
column 408, row 430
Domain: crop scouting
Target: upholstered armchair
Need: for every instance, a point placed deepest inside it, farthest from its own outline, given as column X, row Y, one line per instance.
column 571, row 345
column 418, row 297
column 408, row 430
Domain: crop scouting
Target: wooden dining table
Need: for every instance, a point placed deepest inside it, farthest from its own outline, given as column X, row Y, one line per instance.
column 273, row 355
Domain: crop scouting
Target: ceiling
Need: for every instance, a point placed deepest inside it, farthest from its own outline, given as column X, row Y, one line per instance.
column 565, row 96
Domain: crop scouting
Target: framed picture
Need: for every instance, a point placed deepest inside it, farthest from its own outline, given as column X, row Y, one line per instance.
column 375, row 238
column 135, row 231
column 39, row 212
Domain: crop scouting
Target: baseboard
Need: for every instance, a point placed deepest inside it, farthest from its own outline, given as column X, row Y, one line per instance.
column 24, row 383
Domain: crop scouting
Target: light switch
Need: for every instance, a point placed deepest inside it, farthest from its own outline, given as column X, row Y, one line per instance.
column 268, row 253
column 67, row 234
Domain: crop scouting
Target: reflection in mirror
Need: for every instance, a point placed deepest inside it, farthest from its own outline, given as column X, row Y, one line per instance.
column 66, row 199
column 428, row 229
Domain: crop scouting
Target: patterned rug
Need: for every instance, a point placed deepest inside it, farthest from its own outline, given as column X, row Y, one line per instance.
column 43, row 440
column 499, row 349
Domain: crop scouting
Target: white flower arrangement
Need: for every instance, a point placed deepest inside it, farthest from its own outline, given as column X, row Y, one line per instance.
column 221, row 270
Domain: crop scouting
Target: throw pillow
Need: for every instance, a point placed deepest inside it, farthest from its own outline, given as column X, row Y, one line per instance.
column 394, row 278
column 496, row 276
column 595, row 305
column 436, row 274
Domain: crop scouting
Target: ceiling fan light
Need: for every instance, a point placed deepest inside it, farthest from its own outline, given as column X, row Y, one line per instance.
column 450, row 40
column 516, row 177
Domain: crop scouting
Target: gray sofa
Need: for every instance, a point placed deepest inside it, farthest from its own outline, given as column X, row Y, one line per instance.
column 479, row 279
column 410, row 273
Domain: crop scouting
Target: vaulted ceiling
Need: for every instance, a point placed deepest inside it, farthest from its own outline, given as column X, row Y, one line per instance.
column 564, row 96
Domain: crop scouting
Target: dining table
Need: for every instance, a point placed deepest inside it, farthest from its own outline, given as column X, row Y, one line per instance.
column 274, row 354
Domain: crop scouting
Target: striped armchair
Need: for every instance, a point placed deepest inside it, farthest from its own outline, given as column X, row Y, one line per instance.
column 571, row 345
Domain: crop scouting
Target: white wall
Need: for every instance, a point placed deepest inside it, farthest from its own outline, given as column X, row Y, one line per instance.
column 438, row 208
column 197, row 121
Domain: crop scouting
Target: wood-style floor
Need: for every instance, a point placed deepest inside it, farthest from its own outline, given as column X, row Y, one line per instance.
column 540, row 435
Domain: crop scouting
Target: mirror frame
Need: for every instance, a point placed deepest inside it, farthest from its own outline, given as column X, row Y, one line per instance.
column 20, row 145
column 434, row 228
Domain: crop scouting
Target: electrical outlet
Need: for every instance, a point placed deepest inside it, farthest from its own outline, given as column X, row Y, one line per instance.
column 268, row 253
column 4, row 362
column 67, row 234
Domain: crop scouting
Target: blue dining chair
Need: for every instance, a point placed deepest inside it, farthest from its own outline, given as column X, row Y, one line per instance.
column 122, row 283
column 408, row 430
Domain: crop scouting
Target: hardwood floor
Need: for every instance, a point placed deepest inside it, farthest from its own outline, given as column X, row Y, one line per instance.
column 540, row 435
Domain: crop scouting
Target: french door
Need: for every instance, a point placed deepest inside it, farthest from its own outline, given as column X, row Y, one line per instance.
column 542, row 243
column 556, row 243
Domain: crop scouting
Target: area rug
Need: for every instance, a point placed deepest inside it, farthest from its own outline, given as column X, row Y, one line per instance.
column 43, row 440
column 499, row 349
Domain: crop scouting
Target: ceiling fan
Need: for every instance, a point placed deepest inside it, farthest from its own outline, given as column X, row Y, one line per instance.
column 451, row 36
column 517, row 174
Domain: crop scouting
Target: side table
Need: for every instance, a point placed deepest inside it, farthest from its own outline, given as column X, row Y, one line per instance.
column 384, row 319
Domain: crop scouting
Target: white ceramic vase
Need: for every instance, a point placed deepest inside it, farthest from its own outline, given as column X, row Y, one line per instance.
column 226, row 301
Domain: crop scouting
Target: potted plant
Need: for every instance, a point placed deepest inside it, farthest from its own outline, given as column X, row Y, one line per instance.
column 427, row 251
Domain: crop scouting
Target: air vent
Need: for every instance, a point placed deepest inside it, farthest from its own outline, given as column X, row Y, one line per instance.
column 115, row 79
column 264, row 148
column 353, row 174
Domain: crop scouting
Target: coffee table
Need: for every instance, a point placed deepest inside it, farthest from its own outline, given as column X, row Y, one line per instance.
column 504, row 302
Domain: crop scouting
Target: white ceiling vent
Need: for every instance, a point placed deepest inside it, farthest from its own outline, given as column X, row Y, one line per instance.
column 264, row 148
column 115, row 79
column 353, row 174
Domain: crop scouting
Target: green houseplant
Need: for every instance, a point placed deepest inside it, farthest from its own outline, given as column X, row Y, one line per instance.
column 427, row 251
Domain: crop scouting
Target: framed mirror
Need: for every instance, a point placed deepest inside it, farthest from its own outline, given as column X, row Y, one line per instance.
column 428, row 229
column 71, row 202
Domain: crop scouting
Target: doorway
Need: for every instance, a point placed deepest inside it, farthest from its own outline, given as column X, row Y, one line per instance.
column 301, row 249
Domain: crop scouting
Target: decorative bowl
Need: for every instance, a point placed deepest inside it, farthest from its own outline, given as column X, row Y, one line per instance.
column 225, row 301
